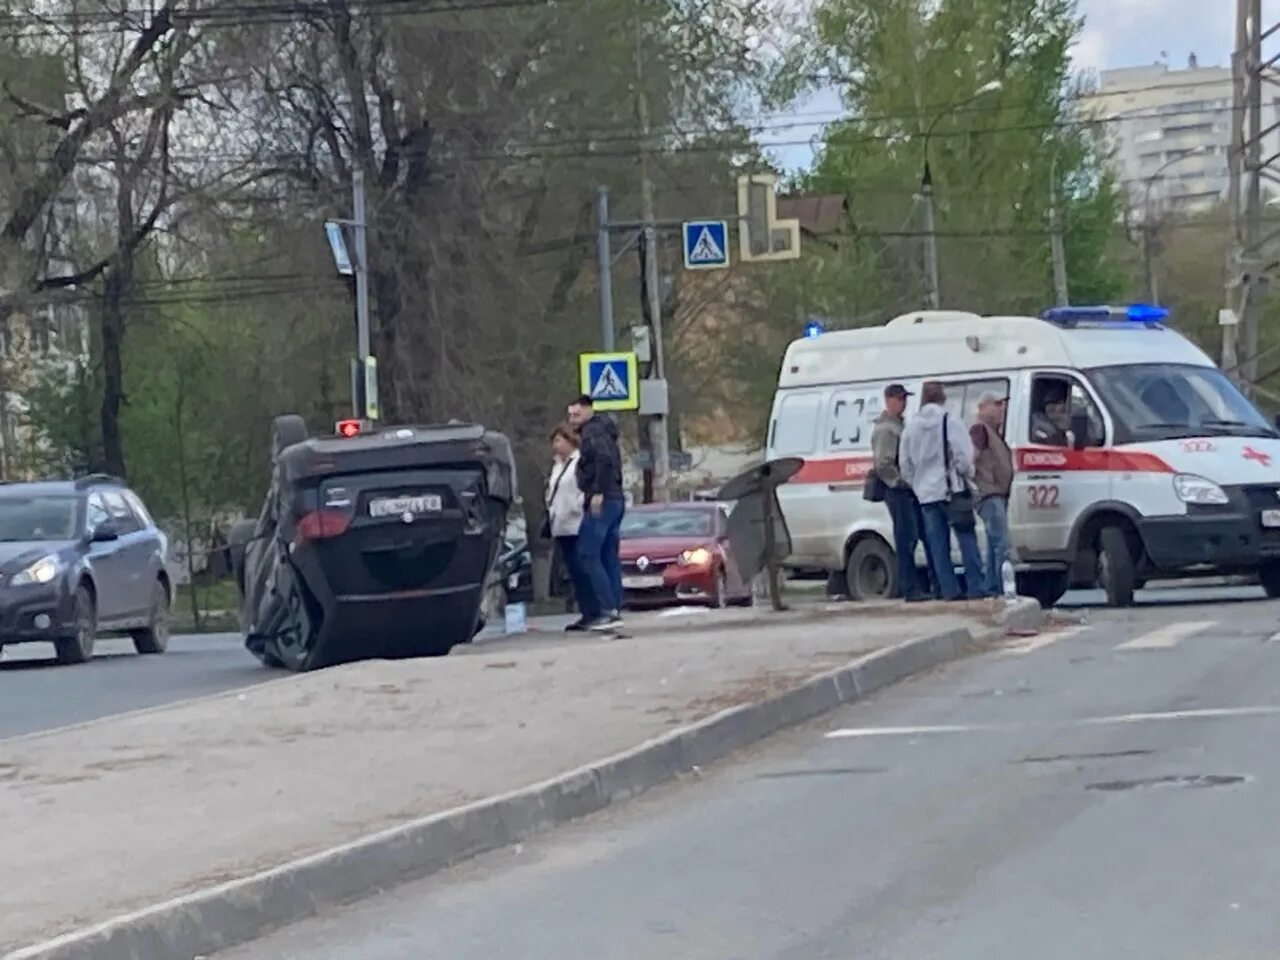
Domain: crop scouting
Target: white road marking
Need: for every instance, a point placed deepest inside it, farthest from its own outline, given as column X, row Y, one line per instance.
column 902, row 731
column 1274, row 638
column 1208, row 713
column 1024, row 647
column 1165, row 637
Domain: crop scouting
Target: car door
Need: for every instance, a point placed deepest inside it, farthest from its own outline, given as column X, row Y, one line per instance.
column 136, row 545
column 1055, row 483
column 107, row 561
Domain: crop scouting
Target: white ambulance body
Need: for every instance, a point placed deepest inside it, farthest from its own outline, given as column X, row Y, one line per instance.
column 1168, row 471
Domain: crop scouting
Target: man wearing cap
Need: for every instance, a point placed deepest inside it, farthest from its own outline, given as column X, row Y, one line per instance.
column 886, row 436
column 993, row 478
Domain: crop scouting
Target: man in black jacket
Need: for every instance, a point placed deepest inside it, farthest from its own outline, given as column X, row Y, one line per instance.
column 600, row 479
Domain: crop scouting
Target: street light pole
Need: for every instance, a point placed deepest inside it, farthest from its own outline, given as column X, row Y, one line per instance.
column 932, row 298
column 1056, row 245
column 1148, row 226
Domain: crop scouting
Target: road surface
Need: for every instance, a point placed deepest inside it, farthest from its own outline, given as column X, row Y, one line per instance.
column 1107, row 790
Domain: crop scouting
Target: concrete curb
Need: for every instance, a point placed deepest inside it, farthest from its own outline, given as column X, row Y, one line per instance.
column 240, row 910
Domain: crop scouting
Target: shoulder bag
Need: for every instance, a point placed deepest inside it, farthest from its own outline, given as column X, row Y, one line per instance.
column 544, row 532
column 959, row 502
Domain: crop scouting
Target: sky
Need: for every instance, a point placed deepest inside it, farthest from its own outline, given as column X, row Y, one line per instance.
column 1117, row 33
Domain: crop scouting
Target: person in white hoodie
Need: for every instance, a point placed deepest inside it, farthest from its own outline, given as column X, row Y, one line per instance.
column 565, row 507
column 936, row 459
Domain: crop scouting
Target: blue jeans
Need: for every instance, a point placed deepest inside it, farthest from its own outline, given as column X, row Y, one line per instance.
column 937, row 542
column 598, row 561
column 568, row 547
column 903, row 509
column 994, row 512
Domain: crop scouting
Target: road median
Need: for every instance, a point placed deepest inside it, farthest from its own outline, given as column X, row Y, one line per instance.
column 177, row 832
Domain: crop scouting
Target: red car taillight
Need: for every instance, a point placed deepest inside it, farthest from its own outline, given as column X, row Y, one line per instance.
column 321, row 525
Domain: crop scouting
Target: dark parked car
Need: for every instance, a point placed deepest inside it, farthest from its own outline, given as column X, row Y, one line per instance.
column 79, row 558
column 377, row 544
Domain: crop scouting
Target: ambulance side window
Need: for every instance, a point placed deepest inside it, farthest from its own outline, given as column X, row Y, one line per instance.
column 794, row 429
column 1055, row 401
column 849, row 420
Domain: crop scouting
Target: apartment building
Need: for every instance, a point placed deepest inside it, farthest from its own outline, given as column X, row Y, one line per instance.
column 1170, row 130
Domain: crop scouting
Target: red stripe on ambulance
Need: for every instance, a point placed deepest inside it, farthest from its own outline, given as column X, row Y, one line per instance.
column 854, row 469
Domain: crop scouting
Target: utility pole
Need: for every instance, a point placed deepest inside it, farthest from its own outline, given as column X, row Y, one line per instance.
column 1148, row 261
column 1245, row 272
column 1056, row 245
column 658, row 439
column 1253, row 203
column 604, row 265
column 931, row 299
column 364, row 401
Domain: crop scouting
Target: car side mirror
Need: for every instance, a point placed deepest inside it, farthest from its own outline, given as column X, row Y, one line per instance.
column 104, row 533
column 1079, row 431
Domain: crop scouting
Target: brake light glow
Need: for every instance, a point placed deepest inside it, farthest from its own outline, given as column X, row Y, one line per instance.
column 322, row 525
column 347, row 428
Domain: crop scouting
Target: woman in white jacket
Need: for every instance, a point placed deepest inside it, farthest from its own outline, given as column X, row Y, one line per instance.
column 565, row 505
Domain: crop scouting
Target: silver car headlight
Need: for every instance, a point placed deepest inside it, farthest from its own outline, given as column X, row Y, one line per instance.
column 1193, row 489
column 44, row 570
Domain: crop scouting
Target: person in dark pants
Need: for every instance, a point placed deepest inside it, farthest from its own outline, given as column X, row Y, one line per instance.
column 936, row 458
column 886, row 435
column 600, row 480
column 565, row 505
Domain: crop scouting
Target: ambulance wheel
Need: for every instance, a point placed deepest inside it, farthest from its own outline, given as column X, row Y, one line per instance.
column 871, row 570
column 1117, row 571
column 1269, row 577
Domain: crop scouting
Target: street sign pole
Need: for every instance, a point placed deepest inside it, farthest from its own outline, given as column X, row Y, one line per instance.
column 604, row 262
column 365, row 403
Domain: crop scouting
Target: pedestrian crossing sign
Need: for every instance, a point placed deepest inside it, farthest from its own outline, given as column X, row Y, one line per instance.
column 610, row 380
column 706, row 244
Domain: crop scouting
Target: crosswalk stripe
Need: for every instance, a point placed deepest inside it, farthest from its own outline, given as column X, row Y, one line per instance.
column 1024, row 647
column 1165, row 637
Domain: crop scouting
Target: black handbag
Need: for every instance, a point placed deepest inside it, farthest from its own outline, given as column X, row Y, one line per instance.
column 873, row 488
column 959, row 502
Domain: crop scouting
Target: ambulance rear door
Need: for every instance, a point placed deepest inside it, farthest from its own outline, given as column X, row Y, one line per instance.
column 798, row 415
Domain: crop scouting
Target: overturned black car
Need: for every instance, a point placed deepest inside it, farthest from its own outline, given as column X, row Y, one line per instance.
column 379, row 545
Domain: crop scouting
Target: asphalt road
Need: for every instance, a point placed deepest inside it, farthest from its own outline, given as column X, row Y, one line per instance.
column 1103, row 791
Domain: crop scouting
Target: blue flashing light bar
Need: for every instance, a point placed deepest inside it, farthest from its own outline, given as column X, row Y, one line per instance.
column 813, row 329
column 1133, row 313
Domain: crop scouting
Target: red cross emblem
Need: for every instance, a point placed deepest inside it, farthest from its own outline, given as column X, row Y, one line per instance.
column 1252, row 454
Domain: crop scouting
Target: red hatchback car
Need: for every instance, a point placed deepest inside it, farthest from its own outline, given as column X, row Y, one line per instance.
column 679, row 553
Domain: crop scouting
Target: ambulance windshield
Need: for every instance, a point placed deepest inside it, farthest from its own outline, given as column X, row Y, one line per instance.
column 1161, row 401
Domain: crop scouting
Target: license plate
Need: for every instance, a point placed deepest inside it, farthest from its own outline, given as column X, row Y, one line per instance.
column 641, row 583
column 1271, row 518
column 398, row 506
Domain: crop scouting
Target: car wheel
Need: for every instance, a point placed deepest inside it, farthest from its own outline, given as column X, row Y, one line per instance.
column 1116, row 568
column 154, row 637
column 871, row 572
column 1269, row 577
column 78, row 648
column 286, row 430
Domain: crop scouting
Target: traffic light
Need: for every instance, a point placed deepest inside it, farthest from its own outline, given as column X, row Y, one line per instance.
column 347, row 428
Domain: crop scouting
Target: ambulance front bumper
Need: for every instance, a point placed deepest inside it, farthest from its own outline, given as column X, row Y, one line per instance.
column 1237, row 536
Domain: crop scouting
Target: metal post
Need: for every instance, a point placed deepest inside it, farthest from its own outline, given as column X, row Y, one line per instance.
column 653, row 294
column 1235, row 160
column 604, row 265
column 362, row 285
column 1253, row 208
column 1148, row 266
column 1055, row 241
column 931, row 300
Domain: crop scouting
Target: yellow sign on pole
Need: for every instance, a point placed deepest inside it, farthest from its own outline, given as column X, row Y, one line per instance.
column 611, row 380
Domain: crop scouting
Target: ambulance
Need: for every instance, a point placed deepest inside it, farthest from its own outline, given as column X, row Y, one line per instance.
column 1162, row 469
